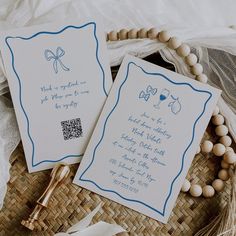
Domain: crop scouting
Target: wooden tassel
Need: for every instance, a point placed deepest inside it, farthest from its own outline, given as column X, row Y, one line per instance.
column 224, row 223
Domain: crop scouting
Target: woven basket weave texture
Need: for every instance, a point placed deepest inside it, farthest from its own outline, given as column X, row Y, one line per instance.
column 71, row 203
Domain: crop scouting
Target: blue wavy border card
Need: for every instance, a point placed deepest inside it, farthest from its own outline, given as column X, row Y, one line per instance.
column 59, row 79
column 146, row 137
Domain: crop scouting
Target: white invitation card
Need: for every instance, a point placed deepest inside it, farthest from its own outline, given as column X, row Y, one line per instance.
column 146, row 137
column 59, row 79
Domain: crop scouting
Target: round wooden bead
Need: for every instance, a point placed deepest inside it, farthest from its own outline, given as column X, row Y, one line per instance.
column 224, row 165
column 183, row 50
column 133, row 34
column 197, row 69
column 153, row 33
column 221, row 130
column 208, row 191
column 218, row 119
column 186, row 186
column 143, row 33
column 219, row 149
column 123, row 34
column 218, row 185
column 113, row 36
column 195, row 190
column 202, row 78
column 216, row 111
column 230, row 157
column 226, row 140
column 229, row 149
column 223, row 174
column 164, row 36
column 191, row 59
column 207, row 146
column 174, row 43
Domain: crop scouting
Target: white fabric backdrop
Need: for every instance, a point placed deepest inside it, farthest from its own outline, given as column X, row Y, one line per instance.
column 202, row 22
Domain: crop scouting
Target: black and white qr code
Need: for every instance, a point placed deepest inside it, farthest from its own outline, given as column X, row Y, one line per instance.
column 72, row 128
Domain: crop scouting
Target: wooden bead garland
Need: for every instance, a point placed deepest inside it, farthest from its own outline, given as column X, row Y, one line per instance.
column 142, row 33
column 218, row 119
column 229, row 157
column 186, row 186
column 202, row 78
column 195, row 190
column 224, row 165
column 226, row 140
column 153, row 33
column 221, row 130
column 229, row 149
column 183, row 50
column 219, row 149
column 207, row 146
column 191, row 59
column 133, row 34
column 123, row 34
column 223, row 174
column 197, row 69
column 208, row 191
column 174, row 43
column 218, row 185
column 113, row 36
column 164, row 36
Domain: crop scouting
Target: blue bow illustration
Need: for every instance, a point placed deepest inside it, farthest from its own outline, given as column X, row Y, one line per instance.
column 49, row 55
column 144, row 95
column 151, row 90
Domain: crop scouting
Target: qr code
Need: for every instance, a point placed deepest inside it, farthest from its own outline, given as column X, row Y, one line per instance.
column 72, row 128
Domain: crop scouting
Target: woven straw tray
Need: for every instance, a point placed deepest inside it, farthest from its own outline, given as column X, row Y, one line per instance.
column 70, row 203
